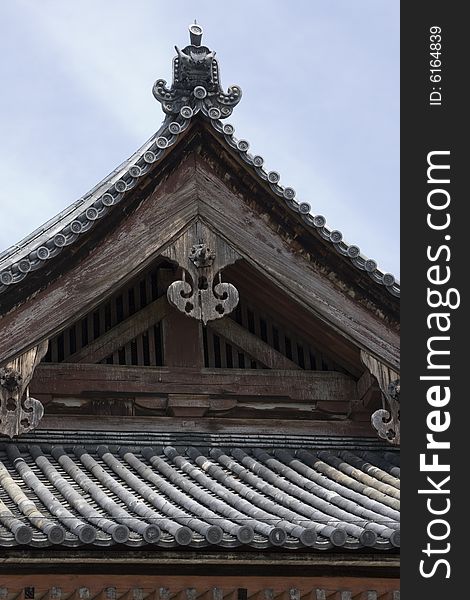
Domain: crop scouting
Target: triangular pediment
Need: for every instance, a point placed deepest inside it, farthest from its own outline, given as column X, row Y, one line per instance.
column 191, row 188
column 317, row 374
column 195, row 350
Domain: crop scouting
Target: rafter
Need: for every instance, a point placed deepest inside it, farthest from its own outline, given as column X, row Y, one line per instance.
column 122, row 333
column 253, row 345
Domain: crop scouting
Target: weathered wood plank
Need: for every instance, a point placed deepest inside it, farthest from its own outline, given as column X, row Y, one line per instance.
column 75, row 379
column 122, row 333
column 241, row 337
column 182, row 339
column 160, row 583
column 143, row 235
column 133, row 246
column 268, row 253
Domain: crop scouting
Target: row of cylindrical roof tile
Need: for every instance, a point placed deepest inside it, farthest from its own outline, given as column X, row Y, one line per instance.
column 171, row 496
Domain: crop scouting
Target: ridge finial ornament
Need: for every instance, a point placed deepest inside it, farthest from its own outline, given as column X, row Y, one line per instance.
column 196, row 82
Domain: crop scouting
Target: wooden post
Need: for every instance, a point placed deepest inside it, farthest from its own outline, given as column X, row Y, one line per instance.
column 182, row 340
column 182, row 335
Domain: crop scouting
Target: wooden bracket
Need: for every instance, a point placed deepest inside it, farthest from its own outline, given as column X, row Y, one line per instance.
column 202, row 255
column 19, row 412
column 386, row 420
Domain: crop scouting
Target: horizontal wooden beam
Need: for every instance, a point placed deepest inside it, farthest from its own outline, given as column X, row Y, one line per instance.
column 157, row 583
column 368, row 392
column 77, row 379
column 209, row 425
column 250, row 343
column 122, row 333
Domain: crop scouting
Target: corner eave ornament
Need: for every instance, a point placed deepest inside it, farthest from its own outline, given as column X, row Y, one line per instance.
column 196, row 82
column 19, row 412
column 385, row 420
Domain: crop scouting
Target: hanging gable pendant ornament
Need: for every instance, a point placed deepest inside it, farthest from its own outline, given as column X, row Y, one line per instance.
column 201, row 293
column 196, row 82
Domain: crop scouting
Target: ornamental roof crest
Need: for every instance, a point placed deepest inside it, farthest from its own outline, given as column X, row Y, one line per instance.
column 196, row 82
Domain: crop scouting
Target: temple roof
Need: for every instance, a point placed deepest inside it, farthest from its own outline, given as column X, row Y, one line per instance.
column 195, row 93
column 296, row 495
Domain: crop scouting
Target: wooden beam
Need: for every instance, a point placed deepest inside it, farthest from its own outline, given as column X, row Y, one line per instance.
column 158, row 585
column 182, row 335
column 122, row 333
column 232, row 218
column 134, row 244
column 208, row 425
column 368, row 391
column 250, row 343
column 77, row 379
column 182, row 340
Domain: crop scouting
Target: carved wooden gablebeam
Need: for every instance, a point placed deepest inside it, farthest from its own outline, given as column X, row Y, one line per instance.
column 18, row 411
column 386, row 420
column 202, row 255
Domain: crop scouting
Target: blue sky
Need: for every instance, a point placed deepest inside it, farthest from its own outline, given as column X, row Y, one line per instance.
column 320, row 81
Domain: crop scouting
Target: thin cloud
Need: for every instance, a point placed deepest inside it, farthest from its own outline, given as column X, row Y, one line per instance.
column 320, row 101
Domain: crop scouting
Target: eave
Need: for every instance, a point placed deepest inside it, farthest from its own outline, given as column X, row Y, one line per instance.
column 66, row 231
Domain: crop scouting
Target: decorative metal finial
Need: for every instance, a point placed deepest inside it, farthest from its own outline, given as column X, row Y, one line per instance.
column 196, row 82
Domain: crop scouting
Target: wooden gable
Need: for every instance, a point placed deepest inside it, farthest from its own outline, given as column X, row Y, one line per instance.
column 107, row 305
column 191, row 257
column 200, row 359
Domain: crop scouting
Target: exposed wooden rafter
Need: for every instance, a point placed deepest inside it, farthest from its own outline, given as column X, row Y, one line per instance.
column 122, row 333
column 253, row 345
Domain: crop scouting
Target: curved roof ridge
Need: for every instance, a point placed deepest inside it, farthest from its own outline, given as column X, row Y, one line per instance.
column 62, row 230
column 317, row 222
column 195, row 88
column 60, row 217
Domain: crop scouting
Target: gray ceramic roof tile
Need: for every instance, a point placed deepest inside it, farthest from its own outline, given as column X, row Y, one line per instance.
column 170, row 496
